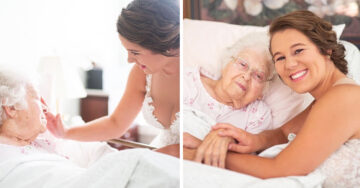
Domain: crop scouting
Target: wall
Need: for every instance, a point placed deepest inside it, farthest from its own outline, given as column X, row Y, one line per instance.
column 77, row 31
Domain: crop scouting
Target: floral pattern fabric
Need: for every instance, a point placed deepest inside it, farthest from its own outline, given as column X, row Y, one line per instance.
column 42, row 144
column 253, row 118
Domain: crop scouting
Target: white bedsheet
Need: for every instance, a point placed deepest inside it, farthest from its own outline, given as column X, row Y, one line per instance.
column 127, row 168
column 199, row 175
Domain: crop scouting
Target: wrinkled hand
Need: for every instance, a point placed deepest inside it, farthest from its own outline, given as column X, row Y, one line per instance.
column 212, row 151
column 55, row 125
column 246, row 142
column 190, row 141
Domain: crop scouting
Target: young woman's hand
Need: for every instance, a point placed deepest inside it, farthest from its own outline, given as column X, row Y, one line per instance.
column 188, row 153
column 245, row 141
column 173, row 150
column 212, row 151
column 55, row 125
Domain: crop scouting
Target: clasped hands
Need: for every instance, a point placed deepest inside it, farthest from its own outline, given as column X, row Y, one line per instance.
column 221, row 139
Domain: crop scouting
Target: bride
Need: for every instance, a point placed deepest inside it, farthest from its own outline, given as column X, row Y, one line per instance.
column 149, row 30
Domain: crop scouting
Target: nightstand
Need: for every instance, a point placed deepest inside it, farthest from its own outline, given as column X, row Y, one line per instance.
column 95, row 105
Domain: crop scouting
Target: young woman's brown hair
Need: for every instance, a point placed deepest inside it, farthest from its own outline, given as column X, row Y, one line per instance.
column 152, row 24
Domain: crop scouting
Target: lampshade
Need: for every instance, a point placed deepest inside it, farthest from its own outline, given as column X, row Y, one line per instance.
column 59, row 81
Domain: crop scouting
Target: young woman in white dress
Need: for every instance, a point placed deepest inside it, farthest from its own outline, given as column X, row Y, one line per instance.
column 149, row 30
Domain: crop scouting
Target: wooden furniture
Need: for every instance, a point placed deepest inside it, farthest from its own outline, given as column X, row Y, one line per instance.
column 95, row 105
column 186, row 9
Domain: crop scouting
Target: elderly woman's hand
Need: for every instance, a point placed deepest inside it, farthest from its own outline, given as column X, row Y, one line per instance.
column 212, row 151
column 246, row 142
column 55, row 125
column 190, row 141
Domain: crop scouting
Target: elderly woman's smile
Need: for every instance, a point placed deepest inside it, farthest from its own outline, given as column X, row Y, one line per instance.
column 241, row 86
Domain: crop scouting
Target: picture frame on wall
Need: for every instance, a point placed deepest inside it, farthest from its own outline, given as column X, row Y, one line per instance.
column 262, row 12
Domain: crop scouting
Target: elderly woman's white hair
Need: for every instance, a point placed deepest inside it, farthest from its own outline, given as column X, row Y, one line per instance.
column 258, row 41
column 13, row 89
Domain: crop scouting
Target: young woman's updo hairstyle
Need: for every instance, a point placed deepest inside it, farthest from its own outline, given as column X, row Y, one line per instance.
column 317, row 30
column 152, row 24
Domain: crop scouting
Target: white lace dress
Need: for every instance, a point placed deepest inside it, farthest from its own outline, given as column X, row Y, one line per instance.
column 342, row 168
column 167, row 136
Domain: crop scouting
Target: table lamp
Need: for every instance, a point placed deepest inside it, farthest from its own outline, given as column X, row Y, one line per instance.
column 58, row 82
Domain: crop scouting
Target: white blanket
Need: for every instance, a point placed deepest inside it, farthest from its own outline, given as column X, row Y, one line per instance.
column 127, row 168
column 199, row 175
column 196, row 122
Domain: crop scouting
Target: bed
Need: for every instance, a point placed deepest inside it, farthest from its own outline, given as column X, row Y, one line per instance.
column 90, row 164
column 203, row 43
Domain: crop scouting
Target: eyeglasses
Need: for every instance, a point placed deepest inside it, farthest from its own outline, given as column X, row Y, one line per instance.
column 257, row 75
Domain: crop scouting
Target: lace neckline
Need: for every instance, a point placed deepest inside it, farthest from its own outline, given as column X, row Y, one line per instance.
column 149, row 108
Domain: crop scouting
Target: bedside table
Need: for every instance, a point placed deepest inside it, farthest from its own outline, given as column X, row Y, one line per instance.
column 95, row 105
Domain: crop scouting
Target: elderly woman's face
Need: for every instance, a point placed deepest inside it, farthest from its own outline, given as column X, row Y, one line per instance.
column 31, row 121
column 245, row 76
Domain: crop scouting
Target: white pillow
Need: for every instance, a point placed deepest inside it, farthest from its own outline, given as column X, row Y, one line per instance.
column 204, row 41
column 338, row 30
column 203, row 45
column 352, row 56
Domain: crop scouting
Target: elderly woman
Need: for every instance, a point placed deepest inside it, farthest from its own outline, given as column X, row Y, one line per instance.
column 37, row 158
column 235, row 98
column 22, row 116
column 23, row 119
